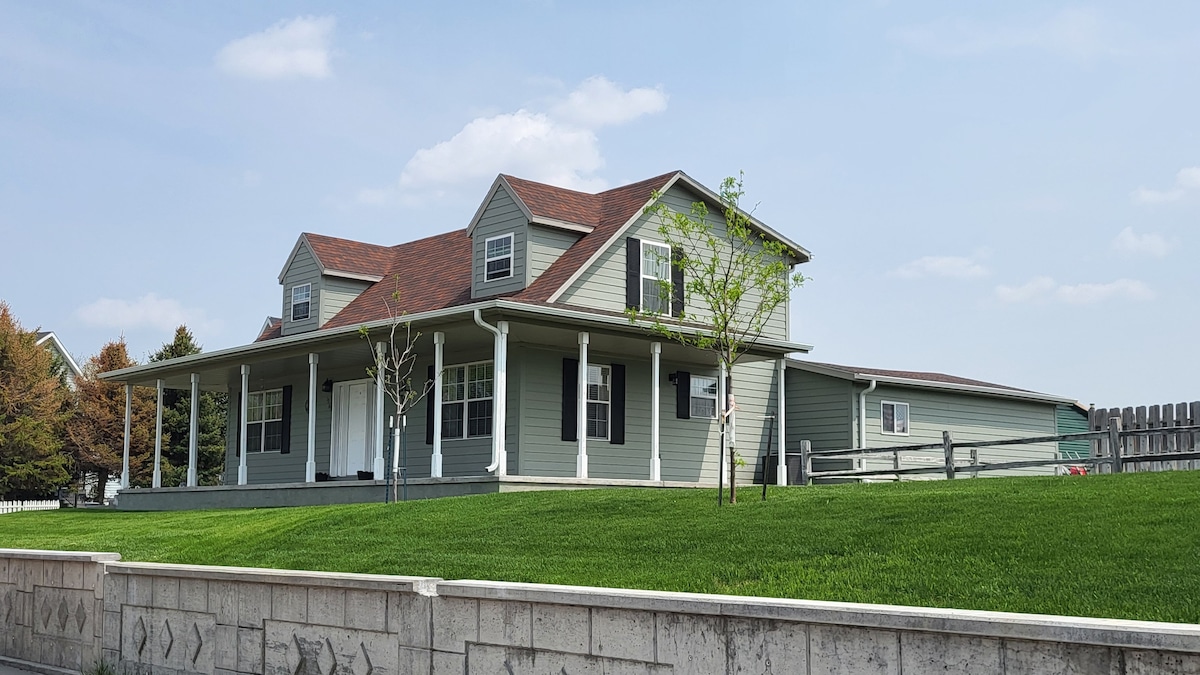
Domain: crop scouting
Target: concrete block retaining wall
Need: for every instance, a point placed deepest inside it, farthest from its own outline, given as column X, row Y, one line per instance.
column 174, row 619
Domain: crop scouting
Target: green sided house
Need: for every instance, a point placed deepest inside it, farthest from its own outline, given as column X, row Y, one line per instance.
column 838, row 407
column 539, row 379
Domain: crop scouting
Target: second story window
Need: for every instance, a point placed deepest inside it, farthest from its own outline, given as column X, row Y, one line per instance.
column 498, row 257
column 301, row 296
column 656, row 278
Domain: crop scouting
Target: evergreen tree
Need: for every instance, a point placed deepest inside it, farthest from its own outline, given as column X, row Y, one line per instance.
column 32, row 404
column 96, row 430
column 177, row 412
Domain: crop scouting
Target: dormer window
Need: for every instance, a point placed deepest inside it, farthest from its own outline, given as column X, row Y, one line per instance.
column 301, row 297
column 498, row 257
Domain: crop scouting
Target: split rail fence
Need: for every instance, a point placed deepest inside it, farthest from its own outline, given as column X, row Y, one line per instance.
column 38, row 505
column 1146, row 438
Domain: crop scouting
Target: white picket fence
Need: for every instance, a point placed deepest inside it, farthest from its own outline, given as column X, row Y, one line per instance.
column 36, row 505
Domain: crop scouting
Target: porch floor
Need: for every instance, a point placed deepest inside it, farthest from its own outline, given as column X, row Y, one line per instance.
column 357, row 491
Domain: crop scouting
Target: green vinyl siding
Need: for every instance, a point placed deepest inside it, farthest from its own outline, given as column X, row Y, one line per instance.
column 967, row 418
column 602, row 284
column 302, row 270
column 818, row 411
column 1072, row 420
column 546, row 244
column 336, row 293
column 501, row 216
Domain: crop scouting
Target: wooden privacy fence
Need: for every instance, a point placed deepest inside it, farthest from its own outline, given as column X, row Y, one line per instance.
column 39, row 505
column 1179, row 447
column 1170, row 416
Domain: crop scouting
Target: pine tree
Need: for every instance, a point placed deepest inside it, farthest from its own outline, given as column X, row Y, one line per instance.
column 177, row 412
column 96, row 430
column 32, row 404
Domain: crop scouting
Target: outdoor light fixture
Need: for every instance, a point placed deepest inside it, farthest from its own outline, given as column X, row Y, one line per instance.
column 327, row 386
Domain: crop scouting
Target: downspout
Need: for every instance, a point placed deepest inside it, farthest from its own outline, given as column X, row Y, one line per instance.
column 500, row 390
column 862, row 419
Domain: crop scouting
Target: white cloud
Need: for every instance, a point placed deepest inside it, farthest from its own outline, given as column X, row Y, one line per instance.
column 1186, row 179
column 598, row 102
column 149, row 311
column 296, row 48
column 1075, row 33
column 1130, row 242
column 1046, row 289
column 559, row 147
column 952, row 267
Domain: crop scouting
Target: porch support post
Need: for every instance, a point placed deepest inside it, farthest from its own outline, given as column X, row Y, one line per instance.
column 310, row 467
column 242, row 439
column 157, row 480
column 655, row 460
column 581, row 464
column 500, row 418
column 194, row 431
column 379, row 467
column 439, row 341
column 781, row 425
column 125, row 452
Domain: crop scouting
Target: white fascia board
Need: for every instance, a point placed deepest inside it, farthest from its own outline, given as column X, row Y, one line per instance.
column 62, row 351
column 296, row 249
column 615, row 237
column 281, row 344
column 583, row 316
column 802, row 253
column 562, row 224
column 500, row 181
column 356, row 276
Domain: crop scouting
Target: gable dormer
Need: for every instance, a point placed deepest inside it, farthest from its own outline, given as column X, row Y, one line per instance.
column 519, row 230
column 323, row 275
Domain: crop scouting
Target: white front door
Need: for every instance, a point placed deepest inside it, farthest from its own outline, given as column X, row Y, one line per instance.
column 354, row 417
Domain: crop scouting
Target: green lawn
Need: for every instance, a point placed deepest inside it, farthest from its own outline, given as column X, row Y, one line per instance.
column 1123, row 546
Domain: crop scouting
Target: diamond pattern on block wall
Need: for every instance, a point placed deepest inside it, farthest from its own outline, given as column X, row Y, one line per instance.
column 305, row 649
column 61, row 612
column 167, row 639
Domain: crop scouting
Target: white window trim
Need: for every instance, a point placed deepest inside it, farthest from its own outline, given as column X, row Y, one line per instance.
column 642, row 276
column 262, row 437
column 292, row 307
column 511, row 261
column 607, row 404
column 692, row 395
column 907, row 419
column 467, row 400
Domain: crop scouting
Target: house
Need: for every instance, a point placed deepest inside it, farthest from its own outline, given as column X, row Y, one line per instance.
column 62, row 358
column 539, row 379
column 837, row 407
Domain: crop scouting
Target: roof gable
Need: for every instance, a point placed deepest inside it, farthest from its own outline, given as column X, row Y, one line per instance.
column 341, row 257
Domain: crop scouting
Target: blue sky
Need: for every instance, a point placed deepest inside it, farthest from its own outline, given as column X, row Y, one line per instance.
column 1008, row 192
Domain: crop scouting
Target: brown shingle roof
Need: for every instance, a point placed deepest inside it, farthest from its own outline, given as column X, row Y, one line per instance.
column 614, row 208
column 272, row 329
column 344, row 255
column 431, row 273
column 913, row 375
column 558, row 203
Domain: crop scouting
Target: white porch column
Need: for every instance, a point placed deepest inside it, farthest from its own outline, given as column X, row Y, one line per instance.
column 157, row 480
column 439, row 341
column 500, row 396
column 722, row 402
column 125, row 452
column 581, row 465
column 242, row 440
column 781, row 415
column 655, row 461
column 379, row 467
column 310, row 467
column 194, row 431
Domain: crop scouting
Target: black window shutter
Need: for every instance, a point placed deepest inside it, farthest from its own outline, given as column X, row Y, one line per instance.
column 676, row 281
column 285, row 445
column 683, row 395
column 429, row 410
column 570, row 389
column 633, row 273
column 616, row 417
column 237, row 437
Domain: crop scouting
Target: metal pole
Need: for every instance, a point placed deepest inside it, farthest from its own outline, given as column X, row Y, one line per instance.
column 404, row 454
column 767, row 460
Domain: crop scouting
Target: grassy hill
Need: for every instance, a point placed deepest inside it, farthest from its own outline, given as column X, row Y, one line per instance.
column 1125, row 546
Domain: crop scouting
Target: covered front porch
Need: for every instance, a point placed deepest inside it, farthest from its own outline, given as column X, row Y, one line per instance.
column 518, row 400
